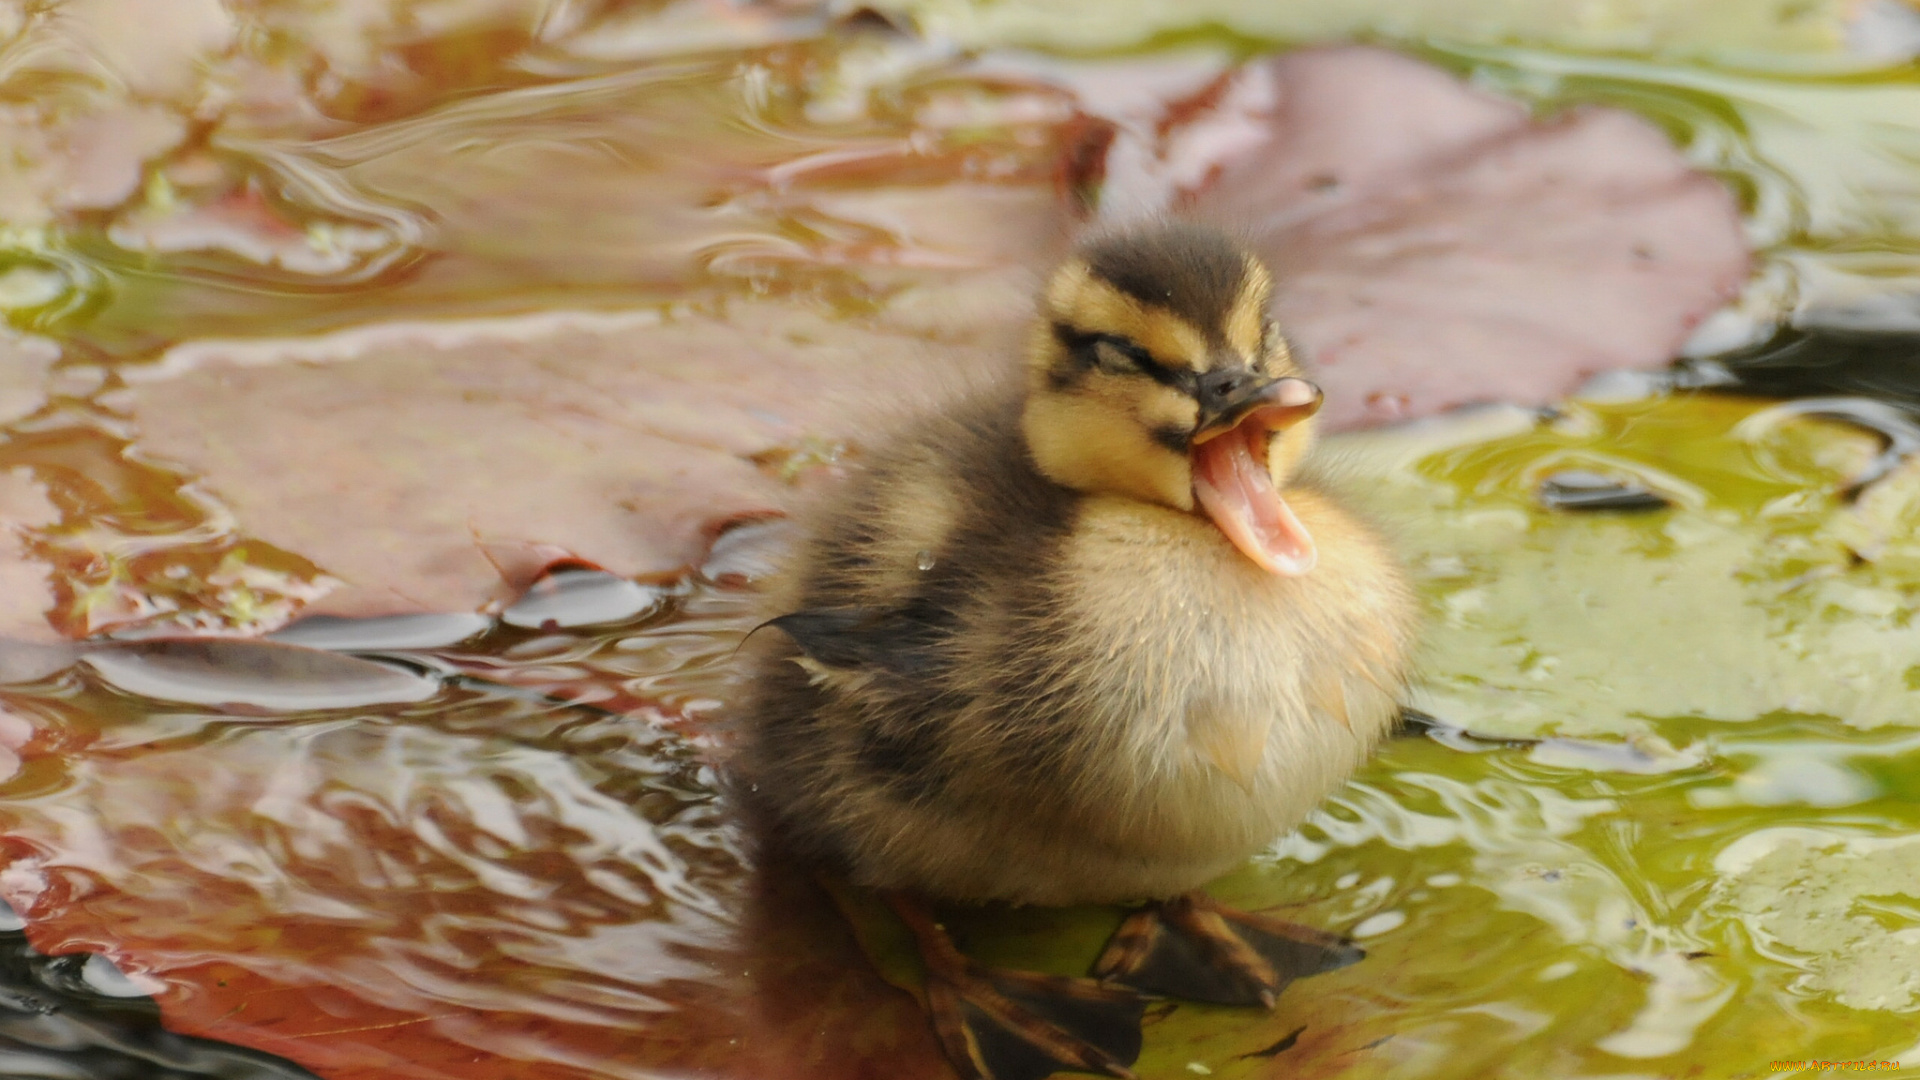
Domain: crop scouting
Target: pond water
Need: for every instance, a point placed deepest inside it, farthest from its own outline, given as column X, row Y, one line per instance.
column 1665, row 822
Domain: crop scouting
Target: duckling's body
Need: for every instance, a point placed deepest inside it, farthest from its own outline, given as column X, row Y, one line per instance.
column 1085, row 638
column 1052, row 697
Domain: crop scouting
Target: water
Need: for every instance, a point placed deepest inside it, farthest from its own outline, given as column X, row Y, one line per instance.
column 503, row 859
column 495, row 844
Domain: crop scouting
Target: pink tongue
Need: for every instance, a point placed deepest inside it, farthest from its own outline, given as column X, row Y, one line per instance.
column 1237, row 492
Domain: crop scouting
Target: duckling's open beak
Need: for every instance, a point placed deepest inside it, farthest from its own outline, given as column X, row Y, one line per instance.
column 1232, row 483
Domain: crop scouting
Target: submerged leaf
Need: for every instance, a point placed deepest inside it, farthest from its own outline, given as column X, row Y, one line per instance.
column 77, row 1015
column 480, row 886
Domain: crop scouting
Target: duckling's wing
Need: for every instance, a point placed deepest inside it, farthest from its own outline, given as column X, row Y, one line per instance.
column 863, row 638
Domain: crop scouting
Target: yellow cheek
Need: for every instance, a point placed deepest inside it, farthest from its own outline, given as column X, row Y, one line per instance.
column 1099, row 439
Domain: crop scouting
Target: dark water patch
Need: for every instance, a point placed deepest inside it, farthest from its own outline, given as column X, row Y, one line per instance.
column 1868, row 378
column 1819, row 362
column 75, row 1015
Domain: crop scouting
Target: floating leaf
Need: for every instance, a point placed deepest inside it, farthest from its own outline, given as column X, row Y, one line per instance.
column 260, row 675
column 1743, row 599
column 618, row 440
column 1437, row 246
column 1823, row 164
column 1725, row 27
column 581, row 596
column 392, row 632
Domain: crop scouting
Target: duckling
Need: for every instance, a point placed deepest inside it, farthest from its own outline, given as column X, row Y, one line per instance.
column 1088, row 637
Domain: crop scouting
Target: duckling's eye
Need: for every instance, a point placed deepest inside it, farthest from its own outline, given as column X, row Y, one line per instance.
column 1105, row 352
column 1113, row 358
column 1117, row 355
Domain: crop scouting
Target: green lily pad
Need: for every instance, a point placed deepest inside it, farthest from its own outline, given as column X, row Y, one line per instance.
column 1751, row 594
column 1724, row 27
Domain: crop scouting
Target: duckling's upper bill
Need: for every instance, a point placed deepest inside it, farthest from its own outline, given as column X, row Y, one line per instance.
column 1157, row 374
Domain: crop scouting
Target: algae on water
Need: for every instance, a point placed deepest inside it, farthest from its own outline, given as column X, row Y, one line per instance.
column 1669, row 27
column 1761, row 589
column 1842, row 907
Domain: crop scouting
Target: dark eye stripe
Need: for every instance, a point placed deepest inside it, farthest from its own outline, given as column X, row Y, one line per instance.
column 1081, row 343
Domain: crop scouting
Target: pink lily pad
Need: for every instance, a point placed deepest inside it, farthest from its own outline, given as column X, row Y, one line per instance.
column 433, row 469
column 1437, row 245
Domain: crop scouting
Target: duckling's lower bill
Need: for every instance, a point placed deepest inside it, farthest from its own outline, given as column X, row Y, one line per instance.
column 1088, row 638
column 1233, row 483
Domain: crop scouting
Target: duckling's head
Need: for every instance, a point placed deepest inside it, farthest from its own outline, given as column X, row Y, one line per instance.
column 1156, row 373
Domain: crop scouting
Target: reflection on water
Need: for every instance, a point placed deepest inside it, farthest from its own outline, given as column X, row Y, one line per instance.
column 529, row 877
column 494, row 845
column 528, row 873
